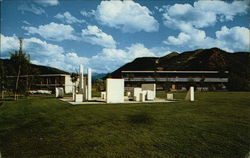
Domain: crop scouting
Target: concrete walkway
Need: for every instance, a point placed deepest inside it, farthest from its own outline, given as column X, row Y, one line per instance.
column 97, row 100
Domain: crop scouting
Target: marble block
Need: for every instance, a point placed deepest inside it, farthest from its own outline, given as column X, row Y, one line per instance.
column 151, row 87
column 115, row 90
column 150, row 95
column 142, row 97
column 59, row 92
column 78, row 97
column 136, row 93
column 170, row 96
column 103, row 95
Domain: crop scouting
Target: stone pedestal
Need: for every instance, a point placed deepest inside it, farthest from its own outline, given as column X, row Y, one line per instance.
column 142, row 97
column 150, row 87
column 103, row 95
column 59, row 92
column 150, row 95
column 78, row 97
column 136, row 93
column 170, row 96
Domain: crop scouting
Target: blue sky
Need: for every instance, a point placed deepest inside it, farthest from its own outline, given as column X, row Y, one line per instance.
column 104, row 35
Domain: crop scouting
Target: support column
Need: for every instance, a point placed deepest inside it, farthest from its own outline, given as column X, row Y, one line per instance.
column 89, row 84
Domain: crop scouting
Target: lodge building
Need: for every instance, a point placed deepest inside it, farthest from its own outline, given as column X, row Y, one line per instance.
column 49, row 82
column 177, row 80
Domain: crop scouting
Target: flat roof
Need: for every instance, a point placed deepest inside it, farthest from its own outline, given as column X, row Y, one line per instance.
column 172, row 71
column 43, row 75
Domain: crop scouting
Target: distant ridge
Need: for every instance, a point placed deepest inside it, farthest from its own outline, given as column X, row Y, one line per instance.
column 200, row 59
column 41, row 70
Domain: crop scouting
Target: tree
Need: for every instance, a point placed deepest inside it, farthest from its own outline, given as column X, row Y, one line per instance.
column 167, row 85
column 191, row 83
column 74, row 78
column 3, row 78
column 202, row 82
column 21, row 66
column 99, row 84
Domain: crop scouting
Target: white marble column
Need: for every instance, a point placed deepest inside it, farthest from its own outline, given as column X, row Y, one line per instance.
column 81, row 84
column 89, row 84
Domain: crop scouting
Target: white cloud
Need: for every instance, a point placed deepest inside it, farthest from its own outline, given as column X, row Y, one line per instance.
column 190, row 19
column 87, row 13
column 68, row 18
column 201, row 14
column 94, row 35
column 43, row 53
column 230, row 39
column 236, row 38
column 31, row 8
column 181, row 39
column 53, row 31
column 226, row 10
column 126, row 15
column 47, row 2
column 8, row 44
column 110, row 59
column 25, row 22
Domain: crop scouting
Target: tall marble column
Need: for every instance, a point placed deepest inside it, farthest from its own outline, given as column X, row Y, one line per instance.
column 89, row 84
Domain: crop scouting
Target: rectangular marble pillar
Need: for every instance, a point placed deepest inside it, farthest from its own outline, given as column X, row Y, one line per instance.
column 81, row 84
column 151, row 87
column 136, row 94
column 190, row 94
column 115, row 90
column 89, row 84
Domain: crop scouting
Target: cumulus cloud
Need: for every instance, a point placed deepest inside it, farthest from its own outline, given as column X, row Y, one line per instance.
column 236, row 38
column 128, row 16
column 43, row 53
column 202, row 13
column 31, row 8
column 110, row 59
column 8, row 44
column 225, row 11
column 230, row 39
column 68, row 18
column 87, row 13
column 190, row 19
column 96, row 36
column 47, row 2
column 53, row 31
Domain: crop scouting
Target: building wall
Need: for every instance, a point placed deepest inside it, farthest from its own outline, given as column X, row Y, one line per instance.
column 176, row 79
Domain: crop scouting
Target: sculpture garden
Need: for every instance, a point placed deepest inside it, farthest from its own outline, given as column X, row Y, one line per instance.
column 216, row 125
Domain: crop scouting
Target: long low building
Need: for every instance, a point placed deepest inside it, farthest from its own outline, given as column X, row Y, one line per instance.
column 50, row 82
column 178, row 80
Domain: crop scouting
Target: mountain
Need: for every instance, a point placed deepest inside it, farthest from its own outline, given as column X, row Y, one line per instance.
column 201, row 59
column 238, row 64
column 98, row 75
column 7, row 65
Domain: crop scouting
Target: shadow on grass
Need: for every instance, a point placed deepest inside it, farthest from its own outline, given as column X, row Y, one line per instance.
column 140, row 118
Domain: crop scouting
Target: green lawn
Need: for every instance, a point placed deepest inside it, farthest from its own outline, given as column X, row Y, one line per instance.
column 216, row 125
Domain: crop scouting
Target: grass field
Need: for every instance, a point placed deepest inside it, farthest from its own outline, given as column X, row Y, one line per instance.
column 215, row 126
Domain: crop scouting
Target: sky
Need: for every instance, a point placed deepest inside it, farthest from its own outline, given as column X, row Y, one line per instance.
column 105, row 35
